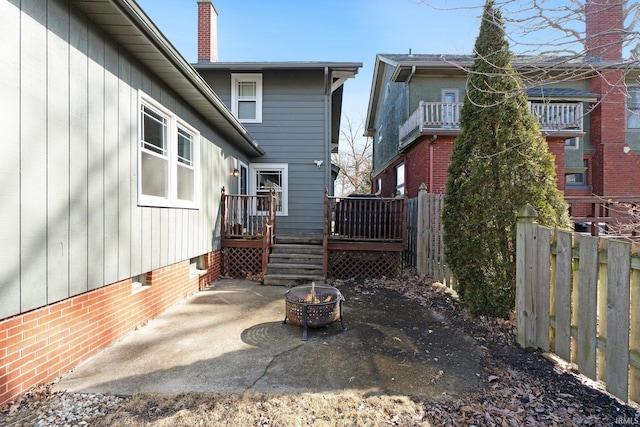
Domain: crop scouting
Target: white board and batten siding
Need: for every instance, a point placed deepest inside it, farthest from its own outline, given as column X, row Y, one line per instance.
column 70, row 221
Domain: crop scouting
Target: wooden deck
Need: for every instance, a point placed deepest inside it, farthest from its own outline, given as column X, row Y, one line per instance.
column 362, row 236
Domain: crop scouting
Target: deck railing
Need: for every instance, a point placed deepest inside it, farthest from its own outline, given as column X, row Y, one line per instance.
column 248, row 222
column 246, row 216
column 619, row 215
column 553, row 117
column 366, row 218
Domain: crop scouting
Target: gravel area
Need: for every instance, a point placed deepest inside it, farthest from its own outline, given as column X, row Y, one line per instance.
column 40, row 407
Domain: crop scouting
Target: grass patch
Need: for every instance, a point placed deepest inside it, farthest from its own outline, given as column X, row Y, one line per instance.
column 258, row 409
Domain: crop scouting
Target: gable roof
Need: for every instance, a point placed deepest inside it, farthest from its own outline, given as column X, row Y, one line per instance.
column 127, row 23
column 340, row 71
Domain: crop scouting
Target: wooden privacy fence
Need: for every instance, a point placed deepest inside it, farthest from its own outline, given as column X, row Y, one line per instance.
column 579, row 297
column 410, row 254
column 429, row 242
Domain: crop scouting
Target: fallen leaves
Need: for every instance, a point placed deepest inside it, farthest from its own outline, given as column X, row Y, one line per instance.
column 522, row 388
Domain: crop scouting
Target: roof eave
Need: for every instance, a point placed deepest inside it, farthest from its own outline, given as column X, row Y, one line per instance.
column 142, row 36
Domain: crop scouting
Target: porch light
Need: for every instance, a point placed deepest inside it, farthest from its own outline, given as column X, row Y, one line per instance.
column 236, row 172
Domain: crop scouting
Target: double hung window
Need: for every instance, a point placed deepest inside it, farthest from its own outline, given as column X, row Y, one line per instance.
column 633, row 107
column 246, row 97
column 167, row 158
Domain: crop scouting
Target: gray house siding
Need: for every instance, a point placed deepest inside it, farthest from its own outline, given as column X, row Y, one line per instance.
column 389, row 116
column 294, row 130
column 70, row 221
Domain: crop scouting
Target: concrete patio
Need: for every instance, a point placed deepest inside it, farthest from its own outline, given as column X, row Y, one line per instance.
column 230, row 337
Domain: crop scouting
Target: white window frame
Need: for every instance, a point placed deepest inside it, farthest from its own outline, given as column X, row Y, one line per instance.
column 237, row 78
column 254, row 168
column 379, row 186
column 573, row 143
column 400, row 179
column 173, row 124
column 633, row 108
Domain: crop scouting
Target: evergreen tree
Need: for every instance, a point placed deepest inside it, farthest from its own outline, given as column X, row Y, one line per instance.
column 500, row 163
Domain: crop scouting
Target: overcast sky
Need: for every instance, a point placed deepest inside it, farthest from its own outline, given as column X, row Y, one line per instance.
column 323, row 30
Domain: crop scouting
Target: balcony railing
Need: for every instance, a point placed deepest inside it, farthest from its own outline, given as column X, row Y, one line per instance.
column 443, row 117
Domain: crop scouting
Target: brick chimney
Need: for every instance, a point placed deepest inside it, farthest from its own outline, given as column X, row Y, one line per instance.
column 613, row 171
column 605, row 29
column 207, row 32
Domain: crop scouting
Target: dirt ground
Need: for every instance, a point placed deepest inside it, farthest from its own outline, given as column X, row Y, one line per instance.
column 513, row 387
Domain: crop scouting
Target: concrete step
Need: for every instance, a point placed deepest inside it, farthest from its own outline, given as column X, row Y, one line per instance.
column 297, row 269
column 287, row 248
column 291, row 279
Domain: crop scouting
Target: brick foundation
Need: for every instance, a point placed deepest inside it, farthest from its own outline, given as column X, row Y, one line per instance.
column 40, row 345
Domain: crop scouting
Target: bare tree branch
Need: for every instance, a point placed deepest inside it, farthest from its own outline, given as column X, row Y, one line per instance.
column 354, row 159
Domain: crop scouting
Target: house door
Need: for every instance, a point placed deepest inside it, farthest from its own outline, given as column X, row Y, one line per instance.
column 243, row 179
column 449, row 107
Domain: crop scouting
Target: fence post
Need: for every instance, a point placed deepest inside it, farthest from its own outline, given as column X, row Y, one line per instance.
column 421, row 240
column 526, row 270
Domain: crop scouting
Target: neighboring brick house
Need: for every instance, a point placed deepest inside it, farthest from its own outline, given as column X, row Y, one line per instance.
column 592, row 125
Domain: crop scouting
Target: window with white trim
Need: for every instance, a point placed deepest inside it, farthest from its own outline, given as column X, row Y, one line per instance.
column 572, row 142
column 633, row 107
column 246, row 97
column 271, row 176
column 400, row 179
column 168, row 157
column 378, row 185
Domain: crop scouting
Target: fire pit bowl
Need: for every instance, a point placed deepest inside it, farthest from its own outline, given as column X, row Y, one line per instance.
column 313, row 306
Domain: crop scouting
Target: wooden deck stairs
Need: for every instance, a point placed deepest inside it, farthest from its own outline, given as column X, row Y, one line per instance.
column 295, row 259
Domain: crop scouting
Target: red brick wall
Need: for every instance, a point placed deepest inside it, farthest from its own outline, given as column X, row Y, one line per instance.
column 417, row 168
column 556, row 147
column 604, row 22
column 615, row 173
column 40, row 345
column 388, row 176
column 418, row 161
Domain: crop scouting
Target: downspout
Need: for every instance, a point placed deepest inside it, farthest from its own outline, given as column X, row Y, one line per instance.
column 431, row 143
column 327, row 130
column 407, row 85
column 413, row 73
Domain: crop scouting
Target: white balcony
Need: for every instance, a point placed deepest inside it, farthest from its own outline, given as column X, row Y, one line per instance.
column 442, row 118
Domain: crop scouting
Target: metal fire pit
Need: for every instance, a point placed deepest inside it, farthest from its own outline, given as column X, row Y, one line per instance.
column 313, row 306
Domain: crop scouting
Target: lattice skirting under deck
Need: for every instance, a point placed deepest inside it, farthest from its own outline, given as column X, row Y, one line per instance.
column 364, row 264
column 241, row 263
